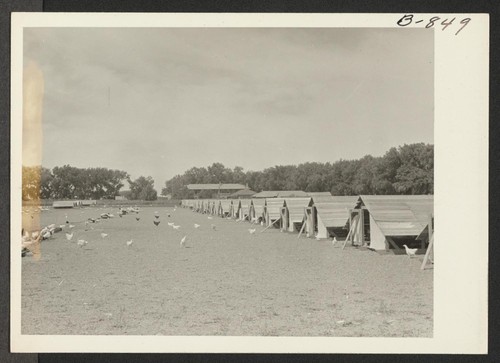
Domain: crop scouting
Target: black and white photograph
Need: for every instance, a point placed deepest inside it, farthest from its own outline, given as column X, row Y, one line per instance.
column 240, row 180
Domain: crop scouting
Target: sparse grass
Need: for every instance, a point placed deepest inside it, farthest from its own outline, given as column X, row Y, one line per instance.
column 229, row 283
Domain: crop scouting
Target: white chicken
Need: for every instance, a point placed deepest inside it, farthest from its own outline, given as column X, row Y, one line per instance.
column 81, row 242
column 183, row 241
column 46, row 235
column 69, row 236
column 129, row 243
column 196, row 225
column 176, row 227
column 252, row 230
column 104, row 235
column 410, row 251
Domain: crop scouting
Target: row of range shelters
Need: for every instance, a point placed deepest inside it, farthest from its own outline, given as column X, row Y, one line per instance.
column 380, row 222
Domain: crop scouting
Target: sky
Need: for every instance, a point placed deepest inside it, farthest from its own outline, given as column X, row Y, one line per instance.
column 158, row 101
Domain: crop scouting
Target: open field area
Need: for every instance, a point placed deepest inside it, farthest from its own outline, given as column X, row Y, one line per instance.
column 226, row 282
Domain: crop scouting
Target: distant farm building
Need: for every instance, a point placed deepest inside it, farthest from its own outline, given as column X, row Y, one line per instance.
column 66, row 204
column 281, row 194
column 241, row 194
column 88, row 202
column 266, row 194
column 216, row 190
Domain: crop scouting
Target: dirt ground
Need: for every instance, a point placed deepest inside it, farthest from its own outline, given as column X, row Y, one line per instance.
column 225, row 282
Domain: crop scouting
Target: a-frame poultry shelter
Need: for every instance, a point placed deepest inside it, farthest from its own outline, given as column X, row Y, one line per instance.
column 244, row 209
column 273, row 211
column 329, row 215
column 212, row 206
column 206, row 206
column 257, row 210
column 203, row 203
column 292, row 213
column 224, row 207
column 386, row 222
column 235, row 208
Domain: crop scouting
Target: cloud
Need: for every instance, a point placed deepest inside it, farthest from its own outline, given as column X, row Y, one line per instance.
column 123, row 97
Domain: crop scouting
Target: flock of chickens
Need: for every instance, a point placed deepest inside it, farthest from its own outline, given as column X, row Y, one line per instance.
column 31, row 241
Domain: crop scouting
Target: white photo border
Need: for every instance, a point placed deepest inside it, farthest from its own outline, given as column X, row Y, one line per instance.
column 461, row 190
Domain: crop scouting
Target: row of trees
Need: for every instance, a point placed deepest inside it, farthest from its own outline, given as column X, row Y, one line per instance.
column 68, row 182
column 408, row 169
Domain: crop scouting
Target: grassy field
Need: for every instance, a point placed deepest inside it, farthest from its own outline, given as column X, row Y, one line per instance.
column 225, row 282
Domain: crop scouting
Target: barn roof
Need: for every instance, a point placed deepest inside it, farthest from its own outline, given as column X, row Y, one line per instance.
column 296, row 207
column 242, row 193
column 316, row 194
column 292, row 194
column 334, row 210
column 400, row 215
column 266, row 194
column 274, row 207
column 215, row 186
column 280, row 194
column 63, row 203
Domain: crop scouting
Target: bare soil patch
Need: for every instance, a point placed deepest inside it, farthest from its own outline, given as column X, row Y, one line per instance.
column 226, row 282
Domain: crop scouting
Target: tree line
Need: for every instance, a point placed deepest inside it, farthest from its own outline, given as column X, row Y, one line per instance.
column 68, row 182
column 407, row 169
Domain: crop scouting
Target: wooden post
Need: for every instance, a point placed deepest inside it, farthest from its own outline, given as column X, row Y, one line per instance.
column 270, row 225
column 301, row 229
column 431, row 227
column 310, row 221
column 362, row 226
column 428, row 252
column 284, row 224
column 353, row 228
column 392, row 243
